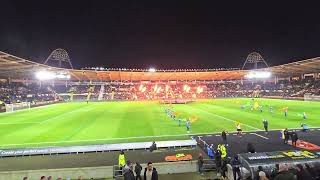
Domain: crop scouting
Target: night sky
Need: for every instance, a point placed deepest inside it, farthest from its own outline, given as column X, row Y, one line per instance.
column 161, row 34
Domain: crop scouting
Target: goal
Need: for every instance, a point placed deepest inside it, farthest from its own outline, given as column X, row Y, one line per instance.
column 17, row 106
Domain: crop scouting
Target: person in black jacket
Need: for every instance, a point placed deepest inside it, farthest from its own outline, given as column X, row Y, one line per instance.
column 315, row 172
column 274, row 172
column 302, row 174
column 137, row 170
column 200, row 164
column 235, row 163
column 294, row 138
column 224, row 137
column 153, row 146
column 128, row 171
column 224, row 168
column 218, row 160
column 286, row 136
column 150, row 173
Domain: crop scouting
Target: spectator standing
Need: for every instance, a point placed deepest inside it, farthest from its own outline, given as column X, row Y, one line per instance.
column 153, row 146
column 200, row 164
column 294, row 138
column 235, row 163
column 218, row 160
column 286, row 135
column 224, row 137
column 274, row 172
column 128, row 172
column 261, row 174
column 223, row 150
column 313, row 171
column 224, row 168
column 42, row 178
column 122, row 160
column 265, row 125
column 210, row 151
column 302, row 174
column 137, row 170
column 150, row 173
column 284, row 173
column 25, row 178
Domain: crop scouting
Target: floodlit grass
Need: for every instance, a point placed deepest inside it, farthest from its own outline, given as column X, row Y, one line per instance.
column 113, row 122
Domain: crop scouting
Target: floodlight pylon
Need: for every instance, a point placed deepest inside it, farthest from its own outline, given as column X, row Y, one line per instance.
column 59, row 55
column 254, row 58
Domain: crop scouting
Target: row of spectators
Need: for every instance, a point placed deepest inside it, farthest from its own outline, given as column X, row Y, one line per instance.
column 196, row 90
column 290, row 172
column 279, row 172
column 18, row 92
column 132, row 171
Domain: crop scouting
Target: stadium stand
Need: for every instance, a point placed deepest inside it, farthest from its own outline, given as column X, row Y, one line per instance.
column 289, row 81
column 296, row 89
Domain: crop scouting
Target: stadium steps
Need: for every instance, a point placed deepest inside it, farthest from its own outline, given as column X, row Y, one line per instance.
column 209, row 165
column 101, row 92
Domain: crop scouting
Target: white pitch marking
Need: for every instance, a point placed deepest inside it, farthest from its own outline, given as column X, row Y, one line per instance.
column 259, row 135
column 19, row 123
column 218, row 135
column 230, row 119
column 70, row 112
column 110, row 139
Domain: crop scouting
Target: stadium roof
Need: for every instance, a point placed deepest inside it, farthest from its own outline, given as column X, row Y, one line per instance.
column 19, row 68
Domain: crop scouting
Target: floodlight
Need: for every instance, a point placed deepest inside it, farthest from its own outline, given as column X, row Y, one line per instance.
column 152, row 70
column 258, row 74
column 45, row 75
column 48, row 75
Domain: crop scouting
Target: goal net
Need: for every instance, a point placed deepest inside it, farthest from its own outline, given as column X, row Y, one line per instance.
column 311, row 97
column 17, row 106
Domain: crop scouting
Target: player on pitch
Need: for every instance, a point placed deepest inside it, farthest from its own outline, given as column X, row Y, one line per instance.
column 188, row 124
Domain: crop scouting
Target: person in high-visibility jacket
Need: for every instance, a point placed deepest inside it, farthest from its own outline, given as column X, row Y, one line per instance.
column 122, row 160
column 223, row 151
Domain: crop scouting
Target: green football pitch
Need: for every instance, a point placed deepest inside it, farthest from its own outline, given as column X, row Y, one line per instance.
column 79, row 123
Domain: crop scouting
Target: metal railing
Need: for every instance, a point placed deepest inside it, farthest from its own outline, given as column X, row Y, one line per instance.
column 117, row 172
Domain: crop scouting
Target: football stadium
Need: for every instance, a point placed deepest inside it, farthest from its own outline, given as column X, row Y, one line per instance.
column 74, row 122
column 159, row 90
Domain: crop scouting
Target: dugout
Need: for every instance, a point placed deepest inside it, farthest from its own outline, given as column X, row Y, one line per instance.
column 268, row 160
